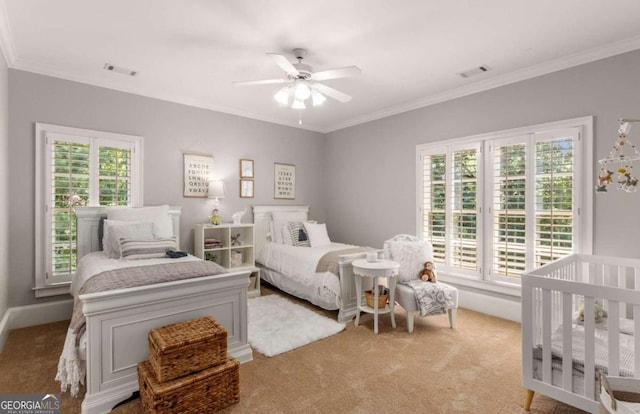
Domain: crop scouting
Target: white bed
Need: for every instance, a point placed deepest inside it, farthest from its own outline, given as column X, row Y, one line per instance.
column 293, row 269
column 561, row 358
column 118, row 321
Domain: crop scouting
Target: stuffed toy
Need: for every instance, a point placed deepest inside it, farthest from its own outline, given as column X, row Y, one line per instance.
column 235, row 240
column 598, row 311
column 428, row 273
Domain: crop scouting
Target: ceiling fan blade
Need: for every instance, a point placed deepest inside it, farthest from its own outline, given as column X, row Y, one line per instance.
column 332, row 93
column 261, row 82
column 284, row 63
column 336, row 73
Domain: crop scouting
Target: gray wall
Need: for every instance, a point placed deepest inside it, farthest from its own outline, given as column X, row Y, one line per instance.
column 169, row 130
column 4, row 191
column 370, row 168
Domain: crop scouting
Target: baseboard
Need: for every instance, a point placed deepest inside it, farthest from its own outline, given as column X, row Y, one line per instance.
column 491, row 305
column 31, row 315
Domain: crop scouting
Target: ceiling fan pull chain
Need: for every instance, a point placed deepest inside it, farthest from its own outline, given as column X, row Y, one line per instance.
column 299, row 117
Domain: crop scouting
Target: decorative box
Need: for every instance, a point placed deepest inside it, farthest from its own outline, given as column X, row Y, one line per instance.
column 206, row 391
column 236, row 259
column 186, row 347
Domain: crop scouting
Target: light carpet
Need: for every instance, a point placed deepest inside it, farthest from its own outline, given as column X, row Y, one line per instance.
column 277, row 325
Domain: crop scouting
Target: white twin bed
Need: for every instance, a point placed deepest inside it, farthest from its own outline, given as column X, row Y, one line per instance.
column 119, row 320
column 294, row 269
column 561, row 354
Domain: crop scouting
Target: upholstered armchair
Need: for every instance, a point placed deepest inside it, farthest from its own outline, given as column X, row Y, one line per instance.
column 411, row 293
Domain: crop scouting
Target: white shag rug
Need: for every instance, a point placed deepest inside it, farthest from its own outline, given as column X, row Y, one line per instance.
column 277, row 325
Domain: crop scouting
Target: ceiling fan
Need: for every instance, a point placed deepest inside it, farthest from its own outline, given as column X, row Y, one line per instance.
column 302, row 82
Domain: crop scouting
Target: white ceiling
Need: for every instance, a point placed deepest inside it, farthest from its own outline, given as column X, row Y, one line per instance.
column 410, row 51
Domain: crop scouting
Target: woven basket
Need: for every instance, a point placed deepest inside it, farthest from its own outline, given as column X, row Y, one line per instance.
column 369, row 298
column 186, row 347
column 206, row 391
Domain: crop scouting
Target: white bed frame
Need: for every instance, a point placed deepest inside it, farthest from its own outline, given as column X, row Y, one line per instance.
column 118, row 321
column 262, row 220
column 550, row 297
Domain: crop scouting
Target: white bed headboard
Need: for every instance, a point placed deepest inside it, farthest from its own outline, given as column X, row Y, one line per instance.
column 262, row 219
column 88, row 224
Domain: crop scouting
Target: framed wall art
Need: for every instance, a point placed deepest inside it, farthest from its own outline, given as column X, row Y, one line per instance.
column 198, row 170
column 246, row 188
column 246, row 169
column 284, row 181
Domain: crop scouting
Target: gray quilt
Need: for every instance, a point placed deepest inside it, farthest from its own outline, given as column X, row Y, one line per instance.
column 129, row 277
column 432, row 298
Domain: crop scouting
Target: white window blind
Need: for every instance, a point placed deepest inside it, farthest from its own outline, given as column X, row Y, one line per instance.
column 78, row 167
column 450, row 206
column 497, row 205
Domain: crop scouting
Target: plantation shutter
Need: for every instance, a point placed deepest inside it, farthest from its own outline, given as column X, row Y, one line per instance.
column 434, row 204
column 463, row 222
column 554, row 196
column 70, row 177
column 82, row 171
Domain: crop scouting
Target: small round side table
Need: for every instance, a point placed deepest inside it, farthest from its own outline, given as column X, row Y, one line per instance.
column 379, row 268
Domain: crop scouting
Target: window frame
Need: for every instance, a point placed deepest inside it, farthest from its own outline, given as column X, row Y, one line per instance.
column 43, row 285
column 583, row 213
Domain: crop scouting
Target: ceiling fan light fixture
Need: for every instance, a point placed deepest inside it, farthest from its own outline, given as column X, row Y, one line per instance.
column 282, row 96
column 298, row 104
column 302, row 91
column 317, row 98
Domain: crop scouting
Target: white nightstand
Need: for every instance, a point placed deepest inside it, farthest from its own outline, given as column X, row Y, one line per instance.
column 379, row 268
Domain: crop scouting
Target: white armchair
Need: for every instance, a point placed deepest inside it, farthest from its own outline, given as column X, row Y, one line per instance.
column 411, row 253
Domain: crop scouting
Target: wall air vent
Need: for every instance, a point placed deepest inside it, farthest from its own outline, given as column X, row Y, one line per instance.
column 475, row 71
column 117, row 69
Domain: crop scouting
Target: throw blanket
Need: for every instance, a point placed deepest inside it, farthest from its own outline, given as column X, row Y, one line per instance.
column 431, row 298
column 329, row 262
column 71, row 369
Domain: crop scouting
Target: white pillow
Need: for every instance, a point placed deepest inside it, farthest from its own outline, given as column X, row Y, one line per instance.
column 317, row 234
column 137, row 213
column 411, row 255
column 115, row 230
column 158, row 215
column 281, row 221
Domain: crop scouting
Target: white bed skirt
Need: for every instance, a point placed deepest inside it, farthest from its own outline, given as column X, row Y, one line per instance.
column 320, row 289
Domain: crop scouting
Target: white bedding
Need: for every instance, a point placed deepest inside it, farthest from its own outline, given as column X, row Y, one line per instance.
column 293, row 269
column 72, row 366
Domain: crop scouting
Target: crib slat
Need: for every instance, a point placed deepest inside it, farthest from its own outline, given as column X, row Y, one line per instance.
column 589, row 348
column 614, row 338
column 546, row 336
column 567, row 342
column 528, row 327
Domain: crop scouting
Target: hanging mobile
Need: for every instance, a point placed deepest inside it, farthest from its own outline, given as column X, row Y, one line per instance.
column 625, row 179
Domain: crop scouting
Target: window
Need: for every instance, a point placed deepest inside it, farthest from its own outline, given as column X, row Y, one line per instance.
column 529, row 188
column 77, row 167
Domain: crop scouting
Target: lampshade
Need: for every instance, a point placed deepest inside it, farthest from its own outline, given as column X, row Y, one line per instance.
column 282, row 96
column 317, row 97
column 298, row 104
column 216, row 189
column 303, row 92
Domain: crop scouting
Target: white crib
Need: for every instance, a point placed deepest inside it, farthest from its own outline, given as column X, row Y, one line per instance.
column 559, row 356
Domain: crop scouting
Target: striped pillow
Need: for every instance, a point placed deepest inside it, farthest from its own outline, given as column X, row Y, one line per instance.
column 146, row 249
column 298, row 234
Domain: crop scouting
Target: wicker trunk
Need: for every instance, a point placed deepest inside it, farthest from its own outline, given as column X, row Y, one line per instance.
column 206, row 391
column 187, row 347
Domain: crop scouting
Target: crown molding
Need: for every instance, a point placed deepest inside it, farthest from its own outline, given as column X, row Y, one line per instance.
column 6, row 38
column 534, row 71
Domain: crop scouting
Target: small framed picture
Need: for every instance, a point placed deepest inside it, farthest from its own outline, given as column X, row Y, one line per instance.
column 246, row 168
column 284, row 181
column 246, row 188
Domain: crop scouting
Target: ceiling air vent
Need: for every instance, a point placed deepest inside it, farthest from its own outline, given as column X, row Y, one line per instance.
column 117, row 69
column 475, row 71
